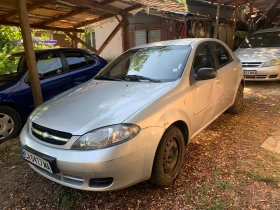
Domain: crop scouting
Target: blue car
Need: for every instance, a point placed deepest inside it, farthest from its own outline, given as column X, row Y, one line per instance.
column 59, row 69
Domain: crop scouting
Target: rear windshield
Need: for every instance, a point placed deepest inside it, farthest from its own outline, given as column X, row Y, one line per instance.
column 12, row 66
column 269, row 39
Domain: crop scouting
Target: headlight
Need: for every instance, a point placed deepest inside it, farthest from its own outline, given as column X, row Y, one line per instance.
column 106, row 137
column 274, row 62
column 31, row 116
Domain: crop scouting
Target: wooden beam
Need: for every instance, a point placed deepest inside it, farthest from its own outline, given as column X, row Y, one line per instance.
column 136, row 6
column 95, row 5
column 236, row 2
column 29, row 52
column 35, row 26
column 125, row 32
column 81, row 41
column 29, row 8
column 272, row 19
column 107, row 2
column 74, row 41
column 217, row 19
column 109, row 38
column 95, row 20
column 67, row 15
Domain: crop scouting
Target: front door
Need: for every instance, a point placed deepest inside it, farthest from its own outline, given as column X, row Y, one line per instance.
column 205, row 92
column 53, row 79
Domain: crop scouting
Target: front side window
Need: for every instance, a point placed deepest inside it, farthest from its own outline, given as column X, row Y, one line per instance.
column 161, row 63
column 268, row 39
column 203, row 59
column 75, row 60
column 221, row 53
column 49, row 65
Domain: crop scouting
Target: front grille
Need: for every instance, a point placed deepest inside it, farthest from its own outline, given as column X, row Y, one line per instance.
column 251, row 64
column 49, row 135
column 255, row 76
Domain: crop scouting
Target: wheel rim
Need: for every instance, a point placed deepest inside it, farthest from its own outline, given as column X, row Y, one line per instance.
column 171, row 158
column 7, row 125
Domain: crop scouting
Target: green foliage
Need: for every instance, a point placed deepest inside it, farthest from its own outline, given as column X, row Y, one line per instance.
column 10, row 43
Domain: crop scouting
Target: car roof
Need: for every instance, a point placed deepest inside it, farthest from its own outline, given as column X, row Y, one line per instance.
column 178, row 42
column 268, row 30
column 38, row 51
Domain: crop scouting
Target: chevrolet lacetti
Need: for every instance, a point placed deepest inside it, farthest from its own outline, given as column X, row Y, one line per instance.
column 133, row 120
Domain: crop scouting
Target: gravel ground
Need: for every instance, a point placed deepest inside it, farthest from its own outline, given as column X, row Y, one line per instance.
column 225, row 168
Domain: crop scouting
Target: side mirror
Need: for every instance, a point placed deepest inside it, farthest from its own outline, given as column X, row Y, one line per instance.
column 27, row 80
column 206, row 73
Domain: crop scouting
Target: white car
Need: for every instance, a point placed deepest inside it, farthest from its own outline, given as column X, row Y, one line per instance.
column 133, row 120
column 260, row 55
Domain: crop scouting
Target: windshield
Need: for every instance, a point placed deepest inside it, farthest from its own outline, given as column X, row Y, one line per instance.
column 11, row 67
column 269, row 39
column 153, row 64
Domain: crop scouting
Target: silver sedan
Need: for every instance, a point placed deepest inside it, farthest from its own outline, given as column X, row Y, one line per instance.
column 133, row 120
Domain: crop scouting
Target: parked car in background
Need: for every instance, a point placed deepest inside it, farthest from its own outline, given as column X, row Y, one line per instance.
column 133, row 120
column 260, row 55
column 59, row 69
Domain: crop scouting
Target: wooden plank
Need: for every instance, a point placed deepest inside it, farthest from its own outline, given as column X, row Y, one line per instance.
column 125, row 32
column 109, row 38
column 217, row 20
column 107, row 2
column 35, row 26
column 61, row 17
column 95, row 20
column 29, row 8
column 81, row 41
column 94, row 5
column 136, row 6
column 29, row 52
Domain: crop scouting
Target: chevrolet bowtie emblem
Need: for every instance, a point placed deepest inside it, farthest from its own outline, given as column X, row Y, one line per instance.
column 45, row 135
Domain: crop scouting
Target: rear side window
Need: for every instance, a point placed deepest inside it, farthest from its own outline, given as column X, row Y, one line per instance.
column 221, row 53
column 90, row 59
column 49, row 65
column 75, row 60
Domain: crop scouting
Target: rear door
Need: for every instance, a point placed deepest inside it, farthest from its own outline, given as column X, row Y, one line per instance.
column 227, row 71
column 80, row 66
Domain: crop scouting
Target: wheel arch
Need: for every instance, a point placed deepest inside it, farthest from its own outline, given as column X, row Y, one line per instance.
column 182, row 125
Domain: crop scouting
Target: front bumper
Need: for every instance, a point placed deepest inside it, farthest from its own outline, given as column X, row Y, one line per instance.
column 263, row 73
column 125, row 164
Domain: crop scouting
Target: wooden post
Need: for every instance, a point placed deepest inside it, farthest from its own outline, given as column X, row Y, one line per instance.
column 236, row 3
column 125, row 32
column 29, row 52
column 74, row 41
column 250, row 19
column 217, row 20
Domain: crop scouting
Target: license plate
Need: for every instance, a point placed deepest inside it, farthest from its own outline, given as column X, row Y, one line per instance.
column 36, row 160
column 247, row 72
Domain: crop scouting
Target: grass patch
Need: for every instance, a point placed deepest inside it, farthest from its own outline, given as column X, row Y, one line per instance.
column 225, row 185
column 261, row 176
column 63, row 198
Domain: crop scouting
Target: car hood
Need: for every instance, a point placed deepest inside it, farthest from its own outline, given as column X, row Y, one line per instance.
column 257, row 54
column 97, row 104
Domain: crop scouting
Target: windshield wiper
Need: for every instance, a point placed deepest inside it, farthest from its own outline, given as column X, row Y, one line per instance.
column 107, row 78
column 139, row 77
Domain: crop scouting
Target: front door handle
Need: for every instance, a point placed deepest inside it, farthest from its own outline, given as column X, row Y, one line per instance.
column 218, row 79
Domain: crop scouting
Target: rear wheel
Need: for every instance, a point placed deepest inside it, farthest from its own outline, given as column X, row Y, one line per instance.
column 169, row 157
column 238, row 103
column 10, row 123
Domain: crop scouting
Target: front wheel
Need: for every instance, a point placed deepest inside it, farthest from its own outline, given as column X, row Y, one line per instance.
column 169, row 157
column 238, row 102
column 10, row 123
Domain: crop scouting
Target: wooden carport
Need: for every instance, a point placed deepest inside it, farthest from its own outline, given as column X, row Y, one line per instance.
column 68, row 16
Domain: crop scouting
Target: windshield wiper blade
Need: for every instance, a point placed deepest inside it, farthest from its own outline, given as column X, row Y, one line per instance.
column 107, row 78
column 139, row 77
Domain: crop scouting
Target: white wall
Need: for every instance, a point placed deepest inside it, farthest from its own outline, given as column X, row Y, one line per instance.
column 114, row 48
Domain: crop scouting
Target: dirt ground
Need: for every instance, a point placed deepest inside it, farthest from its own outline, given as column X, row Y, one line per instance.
column 225, row 168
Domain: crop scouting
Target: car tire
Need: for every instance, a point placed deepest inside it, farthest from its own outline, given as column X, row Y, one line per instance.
column 238, row 102
column 169, row 157
column 10, row 123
